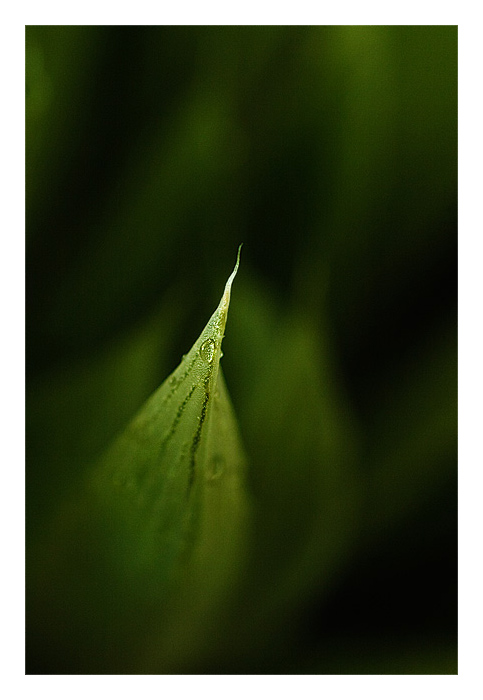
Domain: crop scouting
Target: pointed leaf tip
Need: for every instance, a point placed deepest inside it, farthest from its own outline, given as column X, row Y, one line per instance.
column 226, row 295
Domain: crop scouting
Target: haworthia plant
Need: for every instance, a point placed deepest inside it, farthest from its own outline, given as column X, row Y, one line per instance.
column 152, row 544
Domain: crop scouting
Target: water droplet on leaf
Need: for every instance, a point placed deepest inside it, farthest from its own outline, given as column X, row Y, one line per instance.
column 207, row 350
column 215, row 468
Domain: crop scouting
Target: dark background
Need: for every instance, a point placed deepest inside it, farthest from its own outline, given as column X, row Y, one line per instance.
column 331, row 152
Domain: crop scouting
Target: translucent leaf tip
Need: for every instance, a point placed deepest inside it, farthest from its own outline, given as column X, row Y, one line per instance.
column 226, row 295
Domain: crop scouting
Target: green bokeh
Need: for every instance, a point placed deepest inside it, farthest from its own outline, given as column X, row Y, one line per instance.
column 331, row 152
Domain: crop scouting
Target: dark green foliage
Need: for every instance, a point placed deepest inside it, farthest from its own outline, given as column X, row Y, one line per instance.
column 331, row 152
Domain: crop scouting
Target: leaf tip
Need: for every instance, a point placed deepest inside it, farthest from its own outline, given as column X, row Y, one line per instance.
column 226, row 295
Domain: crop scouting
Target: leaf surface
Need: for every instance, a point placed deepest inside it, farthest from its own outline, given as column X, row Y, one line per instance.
column 152, row 543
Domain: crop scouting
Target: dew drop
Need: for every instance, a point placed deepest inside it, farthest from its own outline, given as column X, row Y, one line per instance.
column 207, row 350
column 215, row 468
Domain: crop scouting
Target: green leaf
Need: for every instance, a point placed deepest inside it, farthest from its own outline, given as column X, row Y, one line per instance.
column 138, row 567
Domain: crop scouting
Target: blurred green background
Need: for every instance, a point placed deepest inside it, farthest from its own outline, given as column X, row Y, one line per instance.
column 331, row 152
